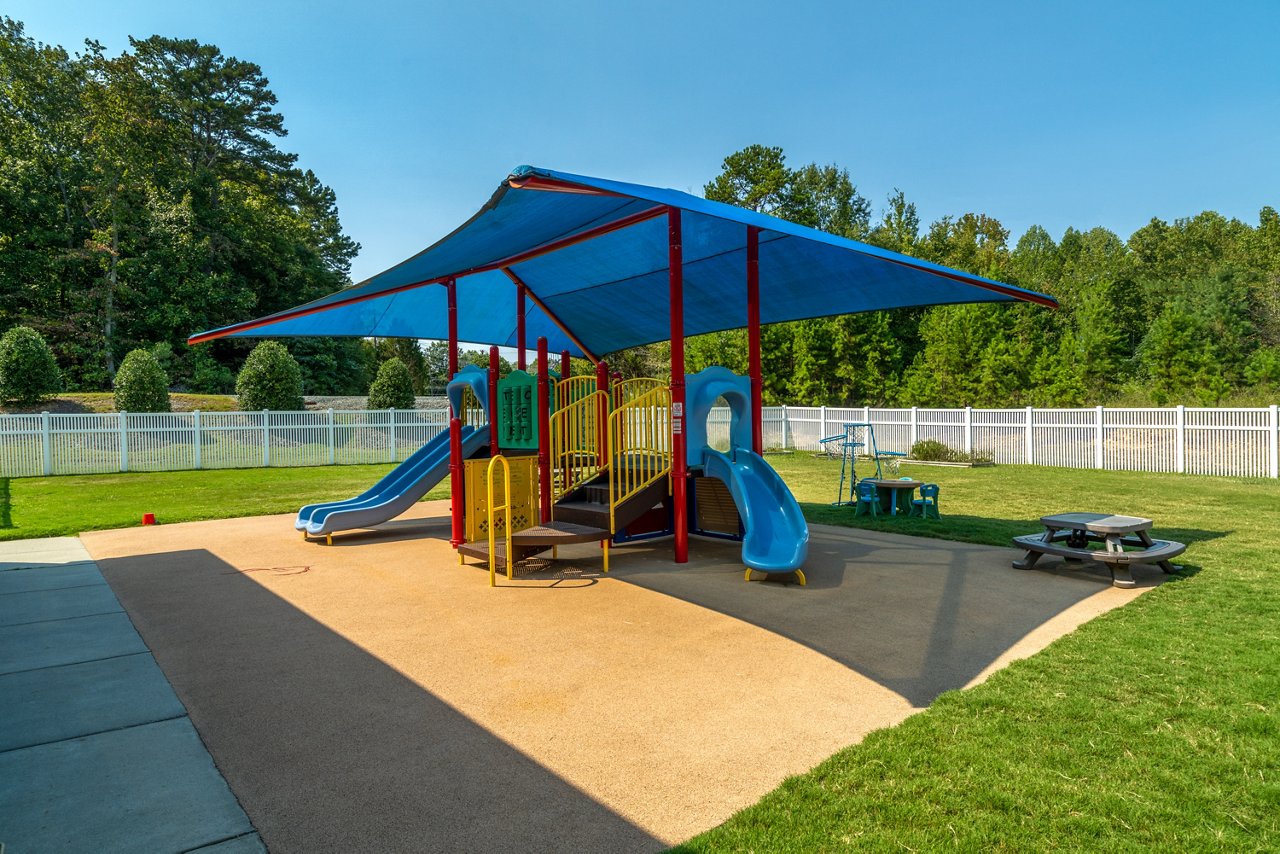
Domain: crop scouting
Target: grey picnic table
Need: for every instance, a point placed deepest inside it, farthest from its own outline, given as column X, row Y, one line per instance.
column 1069, row 535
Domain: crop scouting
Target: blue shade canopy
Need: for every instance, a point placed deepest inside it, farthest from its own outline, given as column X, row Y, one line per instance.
column 593, row 256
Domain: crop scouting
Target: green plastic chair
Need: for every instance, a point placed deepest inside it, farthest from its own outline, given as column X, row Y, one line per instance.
column 926, row 505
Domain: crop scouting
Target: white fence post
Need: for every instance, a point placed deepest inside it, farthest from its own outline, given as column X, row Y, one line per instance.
column 391, row 413
column 332, row 443
column 1180, row 439
column 197, row 440
column 48, row 446
column 1031, row 436
column 866, row 415
column 822, row 422
column 266, row 438
column 124, row 441
column 968, row 429
column 1098, row 442
column 784, row 427
column 915, row 427
column 1274, row 433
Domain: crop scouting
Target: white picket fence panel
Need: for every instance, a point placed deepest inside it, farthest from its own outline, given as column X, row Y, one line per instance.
column 1232, row 442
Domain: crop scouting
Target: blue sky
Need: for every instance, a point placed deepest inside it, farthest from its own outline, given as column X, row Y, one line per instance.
column 1063, row 114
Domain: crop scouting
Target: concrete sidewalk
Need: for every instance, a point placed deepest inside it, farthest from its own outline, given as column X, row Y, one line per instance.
column 96, row 752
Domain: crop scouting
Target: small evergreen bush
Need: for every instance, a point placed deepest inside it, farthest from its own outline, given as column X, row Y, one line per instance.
column 933, row 450
column 28, row 371
column 141, row 384
column 393, row 388
column 270, row 379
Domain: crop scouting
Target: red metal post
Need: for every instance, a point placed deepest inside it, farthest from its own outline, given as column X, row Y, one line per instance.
column 456, row 485
column 565, row 365
column 451, row 287
column 544, row 434
column 520, row 357
column 753, row 339
column 679, row 465
column 493, row 401
column 602, row 413
column 456, row 535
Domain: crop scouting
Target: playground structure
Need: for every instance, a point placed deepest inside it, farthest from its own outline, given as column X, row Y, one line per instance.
column 597, row 266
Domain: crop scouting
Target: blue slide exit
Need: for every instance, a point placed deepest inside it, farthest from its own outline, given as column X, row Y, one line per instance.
column 777, row 536
column 396, row 492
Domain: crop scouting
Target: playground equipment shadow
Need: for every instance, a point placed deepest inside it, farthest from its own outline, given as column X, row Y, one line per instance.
column 384, row 697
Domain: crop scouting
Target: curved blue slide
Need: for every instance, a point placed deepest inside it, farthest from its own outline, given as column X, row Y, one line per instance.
column 396, row 492
column 777, row 536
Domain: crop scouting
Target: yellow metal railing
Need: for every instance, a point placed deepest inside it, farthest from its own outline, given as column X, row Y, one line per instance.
column 494, row 509
column 625, row 391
column 574, row 443
column 639, row 446
column 472, row 412
column 572, row 389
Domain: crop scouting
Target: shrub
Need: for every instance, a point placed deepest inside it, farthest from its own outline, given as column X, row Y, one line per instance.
column 393, row 387
column 28, row 371
column 141, row 384
column 270, row 379
column 936, row 451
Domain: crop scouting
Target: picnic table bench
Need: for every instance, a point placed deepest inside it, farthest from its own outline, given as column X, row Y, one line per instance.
column 1068, row 535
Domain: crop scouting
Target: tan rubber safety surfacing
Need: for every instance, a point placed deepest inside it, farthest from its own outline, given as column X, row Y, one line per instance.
column 374, row 694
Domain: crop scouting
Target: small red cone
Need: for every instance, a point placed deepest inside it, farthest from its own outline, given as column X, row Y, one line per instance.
column 148, row 518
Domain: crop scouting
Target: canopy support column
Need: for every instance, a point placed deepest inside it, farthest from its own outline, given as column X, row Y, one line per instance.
column 520, row 357
column 451, row 289
column 753, row 339
column 679, row 463
column 456, row 485
column 566, row 366
column 544, row 435
column 493, row 401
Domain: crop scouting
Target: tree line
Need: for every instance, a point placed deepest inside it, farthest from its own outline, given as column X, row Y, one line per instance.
column 1182, row 312
column 145, row 195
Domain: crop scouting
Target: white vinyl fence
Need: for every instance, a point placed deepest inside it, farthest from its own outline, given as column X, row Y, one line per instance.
column 1234, row 442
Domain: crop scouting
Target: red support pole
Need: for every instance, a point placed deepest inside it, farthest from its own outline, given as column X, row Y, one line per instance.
column 544, row 434
column 679, row 465
column 456, row 485
column 566, row 366
column 456, row 535
column 520, row 356
column 451, row 288
column 493, row 401
column 753, row 339
column 602, row 413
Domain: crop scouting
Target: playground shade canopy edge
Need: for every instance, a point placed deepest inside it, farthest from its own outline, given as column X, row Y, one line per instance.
column 594, row 253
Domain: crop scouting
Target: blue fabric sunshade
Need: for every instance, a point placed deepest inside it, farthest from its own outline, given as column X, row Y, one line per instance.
column 593, row 256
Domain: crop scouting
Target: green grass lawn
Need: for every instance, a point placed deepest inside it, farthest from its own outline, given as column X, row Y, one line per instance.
column 63, row 506
column 1154, row 726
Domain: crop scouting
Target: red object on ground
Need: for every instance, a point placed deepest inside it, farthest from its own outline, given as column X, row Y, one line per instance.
column 148, row 518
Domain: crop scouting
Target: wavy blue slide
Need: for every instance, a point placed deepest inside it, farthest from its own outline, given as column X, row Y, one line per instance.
column 395, row 493
column 777, row 536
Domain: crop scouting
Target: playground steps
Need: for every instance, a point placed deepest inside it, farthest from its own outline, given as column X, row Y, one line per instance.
column 532, row 541
column 589, row 504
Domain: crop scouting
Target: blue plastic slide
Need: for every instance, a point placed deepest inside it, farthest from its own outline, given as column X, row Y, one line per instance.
column 777, row 536
column 396, row 492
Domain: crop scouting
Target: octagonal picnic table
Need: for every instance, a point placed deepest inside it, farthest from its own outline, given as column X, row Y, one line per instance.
column 1068, row 535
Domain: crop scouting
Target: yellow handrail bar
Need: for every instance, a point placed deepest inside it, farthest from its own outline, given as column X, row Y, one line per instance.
column 472, row 412
column 505, row 507
column 575, row 443
column 625, row 391
column 572, row 389
column 639, row 446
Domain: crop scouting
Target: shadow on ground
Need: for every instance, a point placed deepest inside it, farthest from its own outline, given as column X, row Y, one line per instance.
column 327, row 747
column 920, row 616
